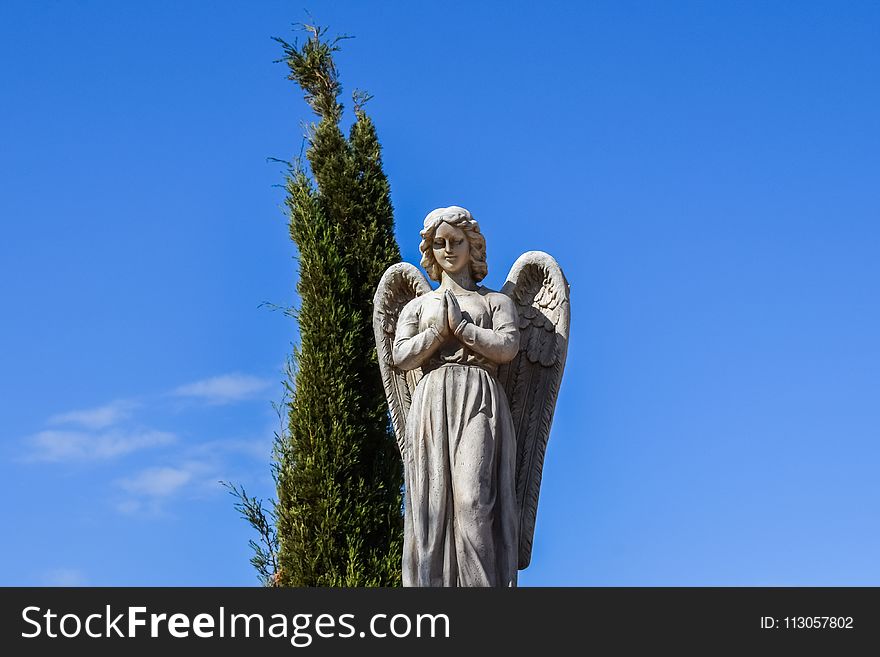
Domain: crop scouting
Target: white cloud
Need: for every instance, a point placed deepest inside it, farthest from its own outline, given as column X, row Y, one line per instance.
column 62, row 445
column 188, row 472
column 151, row 489
column 157, row 482
column 259, row 449
column 129, row 507
column 64, row 577
column 96, row 418
column 223, row 389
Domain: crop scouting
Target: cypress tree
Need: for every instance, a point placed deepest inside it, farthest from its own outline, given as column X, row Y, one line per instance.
column 338, row 473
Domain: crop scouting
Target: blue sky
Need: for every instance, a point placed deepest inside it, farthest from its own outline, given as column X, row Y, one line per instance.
column 707, row 175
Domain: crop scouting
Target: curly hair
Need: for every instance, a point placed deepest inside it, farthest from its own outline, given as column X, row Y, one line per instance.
column 463, row 220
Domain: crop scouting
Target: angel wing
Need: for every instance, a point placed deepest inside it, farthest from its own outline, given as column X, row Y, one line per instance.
column 541, row 295
column 399, row 284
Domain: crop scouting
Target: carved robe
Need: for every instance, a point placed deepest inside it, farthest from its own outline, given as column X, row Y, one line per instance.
column 461, row 519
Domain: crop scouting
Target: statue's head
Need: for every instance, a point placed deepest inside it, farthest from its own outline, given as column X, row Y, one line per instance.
column 451, row 241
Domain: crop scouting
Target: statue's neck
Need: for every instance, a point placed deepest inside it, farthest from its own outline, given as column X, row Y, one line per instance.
column 459, row 282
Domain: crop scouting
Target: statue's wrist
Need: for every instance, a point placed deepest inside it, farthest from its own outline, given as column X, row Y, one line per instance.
column 458, row 329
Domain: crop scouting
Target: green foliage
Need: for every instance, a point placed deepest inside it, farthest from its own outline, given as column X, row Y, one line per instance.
column 338, row 473
column 265, row 559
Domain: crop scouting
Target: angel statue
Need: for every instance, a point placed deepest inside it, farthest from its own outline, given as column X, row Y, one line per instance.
column 471, row 376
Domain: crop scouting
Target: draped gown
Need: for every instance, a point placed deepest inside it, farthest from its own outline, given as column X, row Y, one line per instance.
column 461, row 518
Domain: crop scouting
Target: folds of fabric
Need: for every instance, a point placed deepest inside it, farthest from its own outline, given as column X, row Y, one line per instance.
column 461, row 518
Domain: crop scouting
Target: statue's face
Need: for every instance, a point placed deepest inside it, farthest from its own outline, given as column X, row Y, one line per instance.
column 452, row 251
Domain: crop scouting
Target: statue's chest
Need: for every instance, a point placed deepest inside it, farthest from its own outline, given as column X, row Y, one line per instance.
column 473, row 306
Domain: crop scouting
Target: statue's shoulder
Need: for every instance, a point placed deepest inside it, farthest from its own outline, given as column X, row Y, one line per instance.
column 413, row 305
column 497, row 299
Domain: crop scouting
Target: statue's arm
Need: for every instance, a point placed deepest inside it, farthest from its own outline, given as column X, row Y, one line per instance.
column 412, row 348
column 500, row 344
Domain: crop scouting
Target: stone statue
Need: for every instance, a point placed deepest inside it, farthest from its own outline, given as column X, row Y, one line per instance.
column 471, row 376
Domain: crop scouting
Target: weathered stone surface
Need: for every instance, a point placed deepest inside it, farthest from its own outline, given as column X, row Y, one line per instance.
column 471, row 377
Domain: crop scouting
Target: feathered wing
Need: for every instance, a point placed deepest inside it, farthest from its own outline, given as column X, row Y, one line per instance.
column 541, row 295
column 399, row 284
